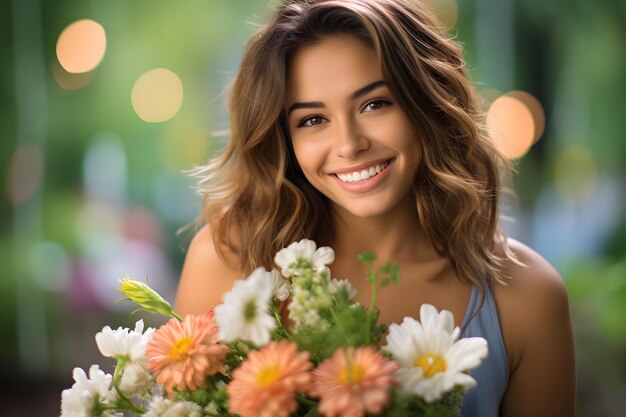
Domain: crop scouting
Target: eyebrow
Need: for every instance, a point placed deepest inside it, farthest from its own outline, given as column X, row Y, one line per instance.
column 317, row 104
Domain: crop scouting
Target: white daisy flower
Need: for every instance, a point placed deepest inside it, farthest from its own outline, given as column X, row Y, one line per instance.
column 337, row 284
column 280, row 285
column 87, row 395
column 432, row 359
column 135, row 380
column 245, row 313
column 430, row 318
column 124, row 343
column 163, row 407
column 302, row 255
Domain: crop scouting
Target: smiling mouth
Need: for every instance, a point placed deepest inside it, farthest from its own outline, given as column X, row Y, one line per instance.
column 364, row 174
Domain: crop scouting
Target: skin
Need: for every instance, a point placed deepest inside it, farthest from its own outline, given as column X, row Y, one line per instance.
column 334, row 131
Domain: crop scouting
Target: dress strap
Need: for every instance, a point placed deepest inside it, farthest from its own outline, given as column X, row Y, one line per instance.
column 472, row 306
column 492, row 375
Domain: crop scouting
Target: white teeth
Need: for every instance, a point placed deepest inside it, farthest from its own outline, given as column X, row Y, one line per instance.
column 364, row 174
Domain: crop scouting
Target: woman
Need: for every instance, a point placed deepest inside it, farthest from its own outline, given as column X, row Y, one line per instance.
column 354, row 124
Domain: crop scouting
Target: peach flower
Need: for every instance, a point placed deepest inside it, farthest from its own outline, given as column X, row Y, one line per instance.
column 353, row 382
column 183, row 354
column 266, row 384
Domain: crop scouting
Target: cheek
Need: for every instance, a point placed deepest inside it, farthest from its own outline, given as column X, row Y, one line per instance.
column 405, row 139
column 410, row 147
column 309, row 155
column 408, row 139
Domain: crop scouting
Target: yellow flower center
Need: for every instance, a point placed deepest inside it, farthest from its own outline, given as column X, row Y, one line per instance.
column 268, row 376
column 351, row 374
column 431, row 364
column 180, row 348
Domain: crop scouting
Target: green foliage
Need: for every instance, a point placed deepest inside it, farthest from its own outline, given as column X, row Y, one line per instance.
column 347, row 331
column 237, row 353
column 308, row 407
column 352, row 324
column 389, row 271
column 414, row 406
column 366, row 258
column 312, row 413
column 213, row 395
column 597, row 291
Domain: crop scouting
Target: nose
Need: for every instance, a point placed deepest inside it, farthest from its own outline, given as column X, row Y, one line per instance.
column 349, row 139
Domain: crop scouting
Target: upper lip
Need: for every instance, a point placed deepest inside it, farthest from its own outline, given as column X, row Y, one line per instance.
column 361, row 167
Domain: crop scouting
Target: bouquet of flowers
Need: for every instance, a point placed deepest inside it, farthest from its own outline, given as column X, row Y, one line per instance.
column 326, row 358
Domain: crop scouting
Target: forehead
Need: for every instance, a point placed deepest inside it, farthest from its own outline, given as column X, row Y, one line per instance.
column 335, row 66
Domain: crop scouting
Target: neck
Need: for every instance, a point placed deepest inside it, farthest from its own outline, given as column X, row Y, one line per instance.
column 394, row 236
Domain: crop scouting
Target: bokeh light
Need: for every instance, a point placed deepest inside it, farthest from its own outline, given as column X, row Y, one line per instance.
column 70, row 81
column 576, row 174
column 536, row 109
column 96, row 219
column 24, row 173
column 157, row 95
column 81, row 46
column 446, row 10
column 51, row 266
column 105, row 169
column 513, row 125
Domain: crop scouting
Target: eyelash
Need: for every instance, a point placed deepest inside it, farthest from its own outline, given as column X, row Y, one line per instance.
column 302, row 123
column 384, row 102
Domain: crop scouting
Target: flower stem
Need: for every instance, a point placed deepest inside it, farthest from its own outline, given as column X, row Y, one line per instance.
column 281, row 329
column 124, row 402
column 338, row 323
column 370, row 311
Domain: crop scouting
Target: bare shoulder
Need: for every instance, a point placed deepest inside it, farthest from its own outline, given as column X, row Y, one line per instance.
column 535, row 283
column 534, row 316
column 205, row 276
column 534, row 292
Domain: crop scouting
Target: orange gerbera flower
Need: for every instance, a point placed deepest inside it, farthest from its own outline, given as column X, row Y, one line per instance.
column 183, row 353
column 266, row 384
column 353, row 382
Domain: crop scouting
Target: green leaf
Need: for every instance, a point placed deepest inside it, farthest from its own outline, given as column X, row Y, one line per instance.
column 366, row 258
column 312, row 413
column 395, row 273
column 371, row 276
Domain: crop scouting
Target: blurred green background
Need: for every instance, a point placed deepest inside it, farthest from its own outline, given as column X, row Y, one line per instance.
column 93, row 182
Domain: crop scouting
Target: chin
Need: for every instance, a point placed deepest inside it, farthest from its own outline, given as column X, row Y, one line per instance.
column 364, row 211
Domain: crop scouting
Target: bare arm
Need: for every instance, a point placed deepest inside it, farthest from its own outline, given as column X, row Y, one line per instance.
column 537, row 329
column 205, row 276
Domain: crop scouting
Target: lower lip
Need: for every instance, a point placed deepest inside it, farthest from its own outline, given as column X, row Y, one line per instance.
column 365, row 185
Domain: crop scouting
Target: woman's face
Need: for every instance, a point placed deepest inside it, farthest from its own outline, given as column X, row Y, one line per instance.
column 352, row 140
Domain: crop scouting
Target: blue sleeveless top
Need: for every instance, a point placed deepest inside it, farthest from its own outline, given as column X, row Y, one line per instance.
column 492, row 375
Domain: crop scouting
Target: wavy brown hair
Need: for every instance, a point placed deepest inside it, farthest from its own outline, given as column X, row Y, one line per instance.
column 256, row 199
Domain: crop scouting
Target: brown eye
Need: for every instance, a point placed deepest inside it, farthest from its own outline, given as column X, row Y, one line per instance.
column 375, row 105
column 311, row 121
